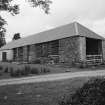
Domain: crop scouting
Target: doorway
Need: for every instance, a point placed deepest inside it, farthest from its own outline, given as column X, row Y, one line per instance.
column 93, row 51
column 4, row 56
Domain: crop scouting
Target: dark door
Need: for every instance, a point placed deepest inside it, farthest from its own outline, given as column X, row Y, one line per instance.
column 4, row 56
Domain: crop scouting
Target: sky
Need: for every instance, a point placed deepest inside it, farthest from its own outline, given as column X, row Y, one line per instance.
column 90, row 13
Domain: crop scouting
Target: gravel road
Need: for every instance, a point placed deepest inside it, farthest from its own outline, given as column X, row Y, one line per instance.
column 52, row 77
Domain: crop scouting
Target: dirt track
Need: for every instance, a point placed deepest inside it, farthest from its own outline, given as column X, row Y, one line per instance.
column 52, row 77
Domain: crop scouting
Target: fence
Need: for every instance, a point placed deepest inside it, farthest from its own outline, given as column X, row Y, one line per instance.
column 94, row 59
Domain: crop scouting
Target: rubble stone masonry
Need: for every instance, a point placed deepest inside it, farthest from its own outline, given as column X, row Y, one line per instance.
column 69, row 50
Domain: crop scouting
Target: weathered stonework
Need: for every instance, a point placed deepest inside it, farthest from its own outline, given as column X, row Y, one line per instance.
column 69, row 50
column 14, row 54
column 32, row 53
column 103, row 49
column 17, row 56
column 82, row 46
column 20, row 54
column 25, row 53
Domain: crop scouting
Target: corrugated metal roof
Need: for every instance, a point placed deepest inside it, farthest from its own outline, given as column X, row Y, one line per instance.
column 68, row 30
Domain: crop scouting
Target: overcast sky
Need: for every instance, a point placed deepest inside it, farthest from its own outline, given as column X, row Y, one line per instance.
column 90, row 13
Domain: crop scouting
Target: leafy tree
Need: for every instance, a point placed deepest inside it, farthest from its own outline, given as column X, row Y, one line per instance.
column 16, row 36
column 6, row 5
column 2, row 32
column 92, row 93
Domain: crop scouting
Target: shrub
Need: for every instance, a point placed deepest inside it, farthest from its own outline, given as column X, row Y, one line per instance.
column 11, row 72
column 44, row 60
column 44, row 70
column 92, row 93
column 1, row 67
column 37, row 61
column 81, row 64
column 15, row 73
column 38, row 70
column 26, row 70
column 20, row 72
column 0, row 74
column 0, row 70
column 34, row 70
column 6, row 70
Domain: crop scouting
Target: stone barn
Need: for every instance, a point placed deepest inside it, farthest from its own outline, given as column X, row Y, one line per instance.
column 72, row 43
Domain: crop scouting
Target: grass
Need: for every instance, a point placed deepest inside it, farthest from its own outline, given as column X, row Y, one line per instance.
column 47, row 93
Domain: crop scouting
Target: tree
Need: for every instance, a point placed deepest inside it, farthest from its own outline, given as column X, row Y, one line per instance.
column 16, row 36
column 92, row 93
column 2, row 32
column 6, row 5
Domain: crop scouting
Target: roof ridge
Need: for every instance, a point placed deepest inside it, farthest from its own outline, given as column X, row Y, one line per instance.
column 68, row 30
column 76, row 28
column 88, row 30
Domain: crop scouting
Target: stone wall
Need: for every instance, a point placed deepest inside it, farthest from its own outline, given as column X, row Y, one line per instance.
column 32, row 53
column 82, row 42
column 69, row 50
column 14, row 54
column 25, row 53
column 20, row 54
column 103, row 49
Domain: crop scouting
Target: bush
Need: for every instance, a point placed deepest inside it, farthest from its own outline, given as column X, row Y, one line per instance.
column 38, row 70
column 6, row 70
column 0, row 74
column 44, row 60
column 23, row 71
column 82, row 64
column 34, row 70
column 26, row 70
column 37, row 61
column 15, row 72
column 11, row 71
column 1, row 68
column 92, row 93
column 44, row 70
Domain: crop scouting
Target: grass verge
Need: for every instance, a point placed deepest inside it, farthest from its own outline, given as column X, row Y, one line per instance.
column 47, row 93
